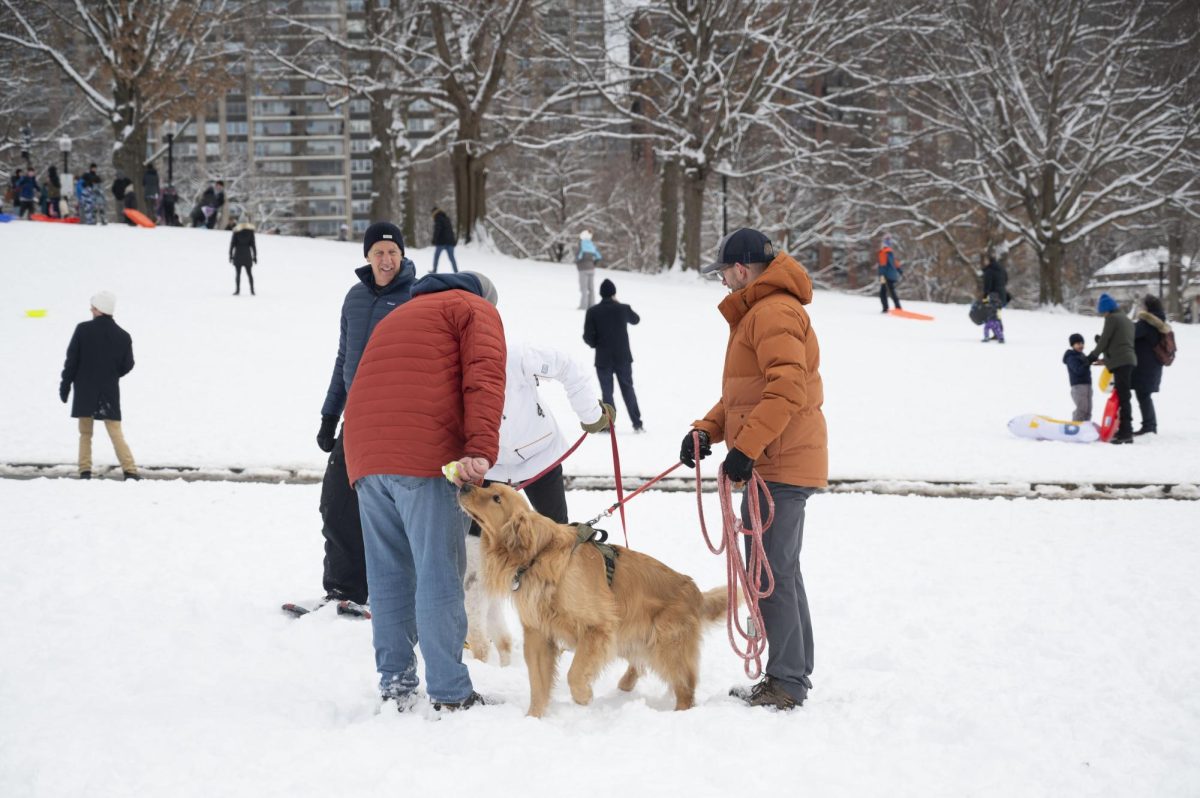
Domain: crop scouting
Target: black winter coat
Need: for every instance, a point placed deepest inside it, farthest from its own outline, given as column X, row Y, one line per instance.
column 242, row 251
column 1147, row 374
column 606, row 329
column 1079, row 370
column 99, row 355
column 364, row 307
column 443, row 231
column 995, row 281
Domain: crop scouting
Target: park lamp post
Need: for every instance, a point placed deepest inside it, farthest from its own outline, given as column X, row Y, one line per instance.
column 170, row 129
column 26, row 144
column 723, row 168
column 64, row 146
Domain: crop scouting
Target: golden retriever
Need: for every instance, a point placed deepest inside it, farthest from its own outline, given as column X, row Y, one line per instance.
column 651, row 616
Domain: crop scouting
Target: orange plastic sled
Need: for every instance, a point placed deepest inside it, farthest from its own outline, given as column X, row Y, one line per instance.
column 138, row 218
column 1111, row 418
column 41, row 217
column 908, row 314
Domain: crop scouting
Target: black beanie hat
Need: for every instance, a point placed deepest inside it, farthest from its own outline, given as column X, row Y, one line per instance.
column 1075, row 338
column 607, row 289
column 382, row 231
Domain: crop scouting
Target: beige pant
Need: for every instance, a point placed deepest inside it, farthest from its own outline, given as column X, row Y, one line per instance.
column 118, row 441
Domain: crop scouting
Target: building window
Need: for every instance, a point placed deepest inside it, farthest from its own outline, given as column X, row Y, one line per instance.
column 360, row 125
column 361, row 165
column 362, row 145
column 360, row 106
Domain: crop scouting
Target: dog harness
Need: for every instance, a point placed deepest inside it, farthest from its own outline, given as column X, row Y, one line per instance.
column 584, row 533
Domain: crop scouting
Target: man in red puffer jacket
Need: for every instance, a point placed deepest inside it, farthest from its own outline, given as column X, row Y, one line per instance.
column 429, row 390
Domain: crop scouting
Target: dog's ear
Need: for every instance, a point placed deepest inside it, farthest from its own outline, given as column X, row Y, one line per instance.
column 517, row 532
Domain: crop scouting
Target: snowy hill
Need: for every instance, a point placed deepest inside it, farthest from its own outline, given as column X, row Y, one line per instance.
column 239, row 381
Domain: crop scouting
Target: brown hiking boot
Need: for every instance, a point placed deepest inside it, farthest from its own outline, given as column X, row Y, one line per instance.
column 767, row 693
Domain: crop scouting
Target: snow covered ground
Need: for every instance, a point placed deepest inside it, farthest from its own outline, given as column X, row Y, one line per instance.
column 989, row 648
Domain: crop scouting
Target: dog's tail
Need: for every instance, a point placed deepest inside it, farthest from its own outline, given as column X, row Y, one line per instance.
column 715, row 603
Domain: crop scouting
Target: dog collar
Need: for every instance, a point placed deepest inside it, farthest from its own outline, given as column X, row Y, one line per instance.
column 516, row 582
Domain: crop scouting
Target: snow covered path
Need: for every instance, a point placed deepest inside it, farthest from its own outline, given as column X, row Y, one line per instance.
column 990, row 648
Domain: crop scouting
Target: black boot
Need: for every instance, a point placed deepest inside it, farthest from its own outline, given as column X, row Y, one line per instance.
column 1144, row 431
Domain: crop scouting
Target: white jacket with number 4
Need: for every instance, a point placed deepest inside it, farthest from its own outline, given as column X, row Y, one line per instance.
column 530, row 440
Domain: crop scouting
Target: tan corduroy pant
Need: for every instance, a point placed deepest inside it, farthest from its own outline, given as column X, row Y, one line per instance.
column 118, row 441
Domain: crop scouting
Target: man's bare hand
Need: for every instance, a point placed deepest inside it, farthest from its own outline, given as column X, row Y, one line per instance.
column 471, row 469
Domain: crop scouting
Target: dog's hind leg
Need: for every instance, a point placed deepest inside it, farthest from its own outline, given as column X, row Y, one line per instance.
column 592, row 653
column 475, row 602
column 678, row 662
column 630, row 679
column 497, row 629
column 541, row 657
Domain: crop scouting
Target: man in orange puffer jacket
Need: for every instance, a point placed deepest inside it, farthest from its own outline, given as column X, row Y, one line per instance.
column 429, row 390
column 770, row 417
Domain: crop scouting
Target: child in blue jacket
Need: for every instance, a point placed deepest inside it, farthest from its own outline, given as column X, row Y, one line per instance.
column 1079, row 372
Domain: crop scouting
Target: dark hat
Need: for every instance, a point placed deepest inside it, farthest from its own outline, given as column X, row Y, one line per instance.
column 487, row 288
column 382, row 231
column 608, row 288
column 1075, row 338
column 743, row 245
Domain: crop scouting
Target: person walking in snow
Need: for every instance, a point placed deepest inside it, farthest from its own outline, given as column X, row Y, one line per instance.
column 769, row 416
column 1079, row 374
column 995, row 295
column 587, row 257
column 446, row 347
column 381, row 286
column 129, row 203
column 218, row 206
column 54, row 192
column 889, row 273
column 606, row 329
column 1151, row 326
column 93, row 197
column 243, row 254
column 150, row 187
column 27, row 193
column 99, row 355
column 1115, row 344
column 444, row 239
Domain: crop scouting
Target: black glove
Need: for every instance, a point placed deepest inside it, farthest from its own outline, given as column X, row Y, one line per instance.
column 63, row 393
column 738, row 467
column 328, row 433
column 687, row 455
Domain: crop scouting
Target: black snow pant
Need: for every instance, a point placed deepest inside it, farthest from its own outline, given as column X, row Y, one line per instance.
column 548, row 496
column 785, row 611
column 1123, row 380
column 888, row 287
column 1146, row 405
column 237, row 278
column 345, row 562
column 624, row 374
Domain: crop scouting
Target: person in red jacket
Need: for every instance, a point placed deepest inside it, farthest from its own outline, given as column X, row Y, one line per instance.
column 429, row 391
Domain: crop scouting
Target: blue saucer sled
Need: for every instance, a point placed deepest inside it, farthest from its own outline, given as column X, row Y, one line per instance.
column 1044, row 428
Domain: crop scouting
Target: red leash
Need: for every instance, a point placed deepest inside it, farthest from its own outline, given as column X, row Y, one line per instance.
column 552, row 466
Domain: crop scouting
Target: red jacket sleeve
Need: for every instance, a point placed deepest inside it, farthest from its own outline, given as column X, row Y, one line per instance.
column 484, row 356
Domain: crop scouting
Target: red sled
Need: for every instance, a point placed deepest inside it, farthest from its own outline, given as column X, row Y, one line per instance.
column 138, row 218
column 1111, row 419
column 41, row 217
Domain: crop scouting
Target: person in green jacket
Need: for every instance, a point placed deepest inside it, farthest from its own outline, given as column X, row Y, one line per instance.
column 1115, row 344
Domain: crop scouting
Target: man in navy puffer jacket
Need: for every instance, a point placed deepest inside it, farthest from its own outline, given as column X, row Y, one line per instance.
column 384, row 284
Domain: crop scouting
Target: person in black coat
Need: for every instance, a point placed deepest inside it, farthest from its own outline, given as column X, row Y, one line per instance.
column 99, row 355
column 995, row 294
column 150, row 187
column 443, row 238
column 1147, row 374
column 243, row 255
column 606, row 329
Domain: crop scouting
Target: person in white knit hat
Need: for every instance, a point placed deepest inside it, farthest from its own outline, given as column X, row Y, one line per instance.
column 99, row 355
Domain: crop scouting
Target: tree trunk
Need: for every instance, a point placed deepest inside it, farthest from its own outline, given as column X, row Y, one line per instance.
column 386, row 182
column 129, row 159
column 1050, row 260
column 1174, row 263
column 694, row 178
column 668, row 244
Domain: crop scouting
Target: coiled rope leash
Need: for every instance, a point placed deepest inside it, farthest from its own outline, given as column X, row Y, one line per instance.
column 754, row 577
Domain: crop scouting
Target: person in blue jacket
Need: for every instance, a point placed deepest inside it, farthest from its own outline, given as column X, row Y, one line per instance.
column 27, row 192
column 587, row 257
column 384, row 284
column 889, row 274
column 1080, row 376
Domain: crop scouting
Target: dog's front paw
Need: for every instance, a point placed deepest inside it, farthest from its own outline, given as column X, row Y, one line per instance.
column 582, row 694
column 629, row 679
column 479, row 647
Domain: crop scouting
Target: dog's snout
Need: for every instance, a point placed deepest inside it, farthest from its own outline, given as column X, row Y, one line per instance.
column 466, row 487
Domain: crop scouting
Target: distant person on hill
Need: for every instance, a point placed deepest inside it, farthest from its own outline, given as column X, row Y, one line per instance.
column 1115, row 345
column 343, row 233
column 218, row 204
column 1079, row 374
column 150, row 187
column 167, row 214
column 129, row 203
column 1147, row 374
column 995, row 294
column 587, row 257
column 54, row 192
column 99, row 355
column 205, row 208
column 889, row 273
column 443, row 239
column 243, row 255
column 118, row 188
column 382, row 285
column 606, row 329
column 27, row 192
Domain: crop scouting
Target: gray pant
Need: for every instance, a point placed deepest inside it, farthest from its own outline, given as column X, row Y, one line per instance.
column 586, row 297
column 785, row 611
column 1082, row 396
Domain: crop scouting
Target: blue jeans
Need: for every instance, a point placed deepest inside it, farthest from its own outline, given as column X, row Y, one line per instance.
column 414, row 539
column 437, row 253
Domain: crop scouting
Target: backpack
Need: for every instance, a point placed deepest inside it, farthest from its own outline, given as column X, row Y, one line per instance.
column 1165, row 349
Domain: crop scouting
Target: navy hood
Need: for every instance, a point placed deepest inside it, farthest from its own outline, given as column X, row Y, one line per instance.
column 462, row 281
column 405, row 278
